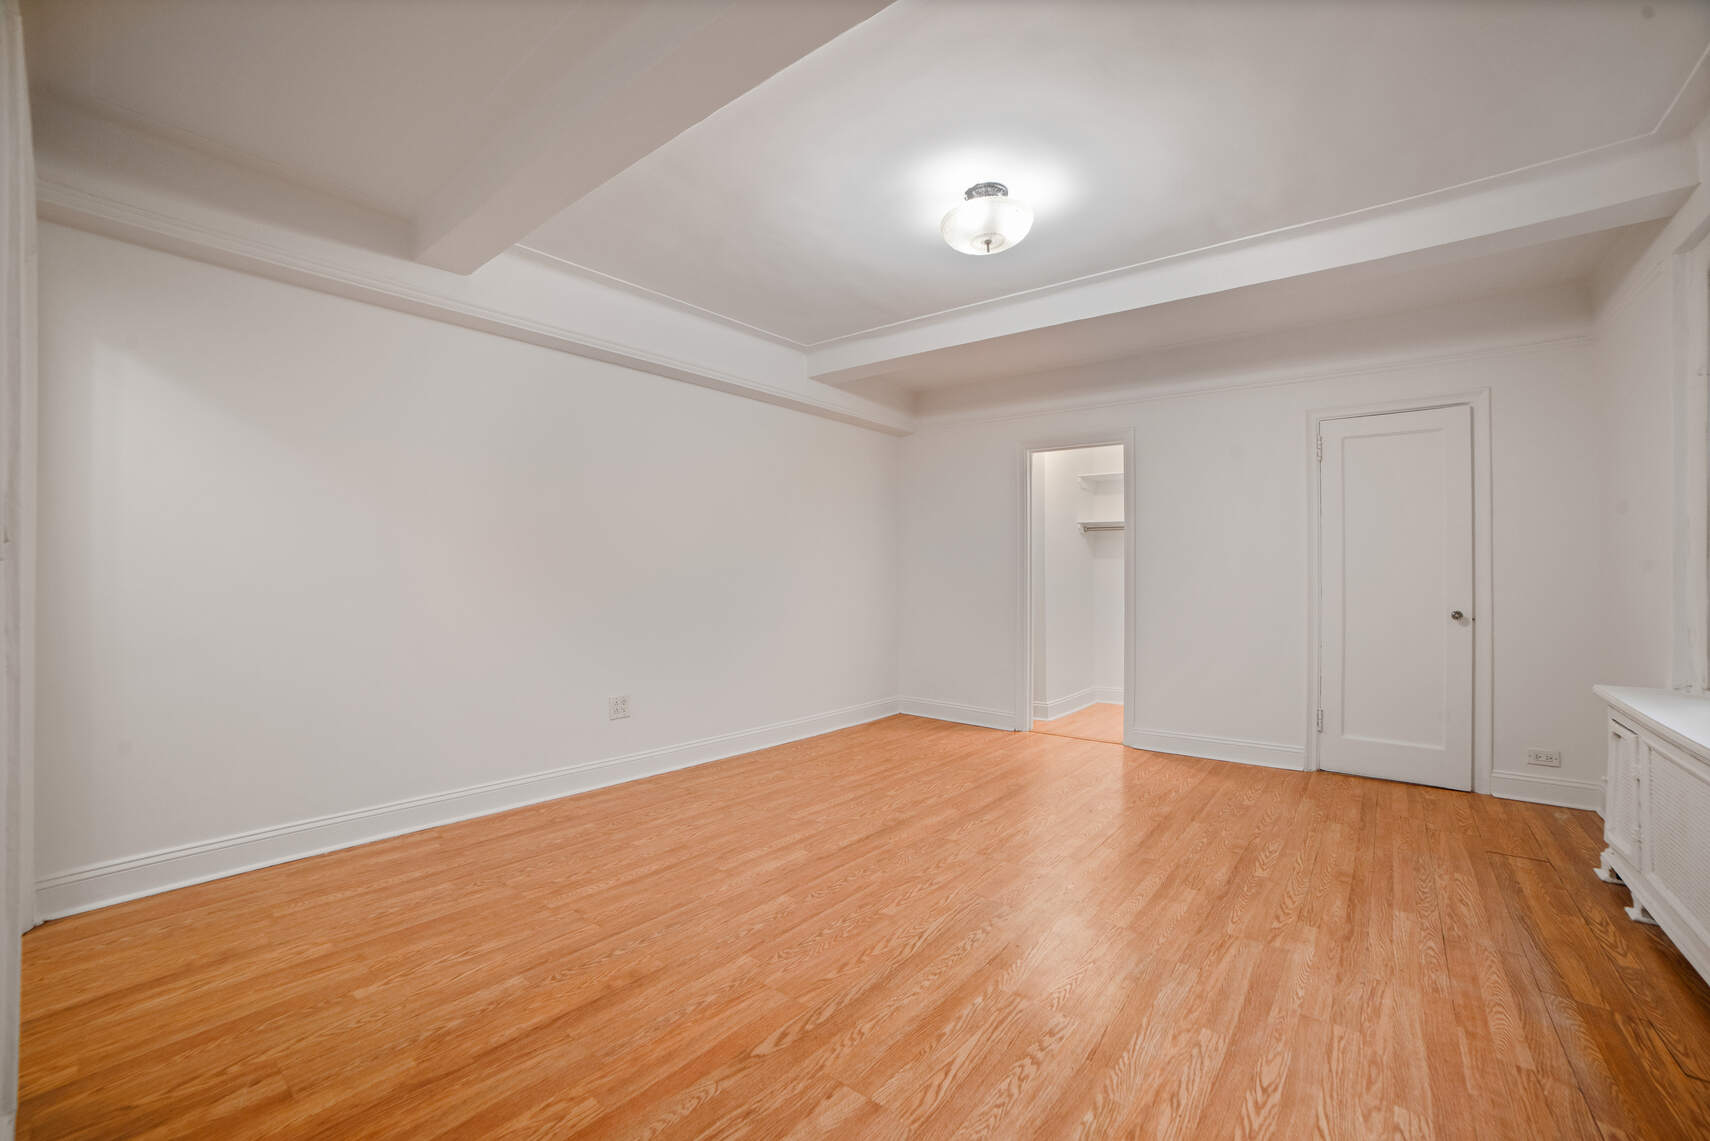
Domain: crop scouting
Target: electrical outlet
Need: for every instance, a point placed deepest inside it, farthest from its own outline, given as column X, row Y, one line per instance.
column 619, row 707
column 1549, row 758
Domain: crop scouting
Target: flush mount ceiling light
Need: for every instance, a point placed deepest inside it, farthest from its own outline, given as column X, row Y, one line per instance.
column 987, row 221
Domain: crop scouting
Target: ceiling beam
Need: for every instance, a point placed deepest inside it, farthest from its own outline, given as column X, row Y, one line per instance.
column 109, row 179
column 660, row 67
column 1614, row 187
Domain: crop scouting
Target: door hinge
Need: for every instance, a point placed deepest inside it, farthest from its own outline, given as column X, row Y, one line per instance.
column 1321, row 721
column 1321, row 449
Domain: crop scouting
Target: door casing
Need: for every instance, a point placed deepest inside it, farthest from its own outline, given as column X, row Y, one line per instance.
column 1023, row 615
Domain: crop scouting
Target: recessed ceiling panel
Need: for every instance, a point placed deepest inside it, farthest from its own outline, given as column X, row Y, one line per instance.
column 377, row 101
column 810, row 206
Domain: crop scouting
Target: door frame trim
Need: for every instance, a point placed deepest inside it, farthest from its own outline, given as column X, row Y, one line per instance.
column 1484, row 610
column 1024, row 562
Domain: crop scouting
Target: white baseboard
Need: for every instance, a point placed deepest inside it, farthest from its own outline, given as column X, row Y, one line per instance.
column 1063, row 706
column 1075, row 702
column 114, row 881
column 966, row 714
column 1265, row 753
column 1563, row 792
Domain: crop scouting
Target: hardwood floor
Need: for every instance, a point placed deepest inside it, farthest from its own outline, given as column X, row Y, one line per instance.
column 909, row 928
column 1100, row 721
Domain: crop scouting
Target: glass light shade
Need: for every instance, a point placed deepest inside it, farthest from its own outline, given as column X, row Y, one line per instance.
column 986, row 225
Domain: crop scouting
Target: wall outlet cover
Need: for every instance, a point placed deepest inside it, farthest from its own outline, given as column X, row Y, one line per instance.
column 617, row 707
column 1548, row 758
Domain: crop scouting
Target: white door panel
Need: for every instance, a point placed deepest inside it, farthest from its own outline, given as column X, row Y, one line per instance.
column 1396, row 531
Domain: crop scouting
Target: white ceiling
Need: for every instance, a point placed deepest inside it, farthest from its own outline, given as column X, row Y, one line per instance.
column 376, row 101
column 809, row 207
column 1200, row 168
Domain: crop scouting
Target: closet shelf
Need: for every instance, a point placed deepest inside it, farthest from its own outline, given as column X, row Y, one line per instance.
column 1102, row 481
column 1100, row 525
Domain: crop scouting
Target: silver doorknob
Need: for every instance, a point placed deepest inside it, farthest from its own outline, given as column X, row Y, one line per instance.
column 1456, row 615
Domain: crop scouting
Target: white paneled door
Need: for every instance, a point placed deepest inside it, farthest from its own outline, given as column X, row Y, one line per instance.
column 1396, row 604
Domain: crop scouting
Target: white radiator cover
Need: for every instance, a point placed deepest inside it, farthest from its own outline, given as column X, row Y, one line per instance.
column 1656, row 816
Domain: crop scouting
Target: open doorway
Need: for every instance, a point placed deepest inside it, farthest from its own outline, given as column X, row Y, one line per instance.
column 1078, row 581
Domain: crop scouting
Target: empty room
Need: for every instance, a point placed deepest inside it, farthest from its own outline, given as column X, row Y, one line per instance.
column 831, row 568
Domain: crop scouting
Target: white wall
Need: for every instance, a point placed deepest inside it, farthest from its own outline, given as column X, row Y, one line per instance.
column 1107, row 585
column 1078, row 582
column 1221, row 477
column 1652, row 345
column 302, row 556
column 1635, row 369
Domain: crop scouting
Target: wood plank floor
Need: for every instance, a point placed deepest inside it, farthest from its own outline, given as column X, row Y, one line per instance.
column 1100, row 721
column 905, row 929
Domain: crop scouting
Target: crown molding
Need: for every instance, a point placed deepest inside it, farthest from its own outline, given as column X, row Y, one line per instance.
column 662, row 66
column 110, row 178
column 656, row 295
column 1640, row 180
column 1687, row 117
column 516, row 296
column 1104, row 399
column 1684, row 230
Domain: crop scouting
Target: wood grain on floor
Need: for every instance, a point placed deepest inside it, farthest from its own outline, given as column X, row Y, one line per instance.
column 905, row 929
column 1100, row 721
